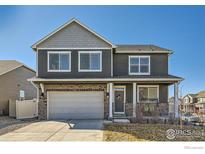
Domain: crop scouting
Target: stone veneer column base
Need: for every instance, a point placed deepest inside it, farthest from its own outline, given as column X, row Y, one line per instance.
column 129, row 109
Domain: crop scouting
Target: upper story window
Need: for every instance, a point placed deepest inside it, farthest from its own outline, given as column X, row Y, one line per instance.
column 59, row 61
column 89, row 61
column 139, row 65
column 186, row 100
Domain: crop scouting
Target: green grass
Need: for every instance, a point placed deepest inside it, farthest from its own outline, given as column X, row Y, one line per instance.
column 149, row 132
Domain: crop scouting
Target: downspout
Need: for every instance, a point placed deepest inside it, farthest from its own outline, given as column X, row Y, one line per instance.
column 37, row 95
column 37, row 90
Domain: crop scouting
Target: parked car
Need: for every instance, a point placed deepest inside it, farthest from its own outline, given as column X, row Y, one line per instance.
column 189, row 117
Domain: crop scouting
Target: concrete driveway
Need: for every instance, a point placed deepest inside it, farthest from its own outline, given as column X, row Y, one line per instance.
column 75, row 130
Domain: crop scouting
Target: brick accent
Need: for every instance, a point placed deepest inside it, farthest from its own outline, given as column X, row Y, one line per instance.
column 42, row 107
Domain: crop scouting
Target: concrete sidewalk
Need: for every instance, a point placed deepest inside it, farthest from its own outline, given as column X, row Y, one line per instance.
column 77, row 130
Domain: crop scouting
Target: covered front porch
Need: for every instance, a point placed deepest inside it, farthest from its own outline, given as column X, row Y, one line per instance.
column 141, row 99
column 132, row 97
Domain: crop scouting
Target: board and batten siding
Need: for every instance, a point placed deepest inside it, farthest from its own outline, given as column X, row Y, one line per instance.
column 158, row 64
column 43, row 64
column 74, row 36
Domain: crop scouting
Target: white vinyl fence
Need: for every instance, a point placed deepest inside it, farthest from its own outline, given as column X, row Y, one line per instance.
column 23, row 109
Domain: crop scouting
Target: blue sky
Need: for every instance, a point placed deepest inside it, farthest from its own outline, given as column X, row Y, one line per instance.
column 180, row 28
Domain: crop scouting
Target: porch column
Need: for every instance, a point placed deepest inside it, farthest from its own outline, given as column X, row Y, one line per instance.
column 176, row 101
column 134, row 99
column 110, row 99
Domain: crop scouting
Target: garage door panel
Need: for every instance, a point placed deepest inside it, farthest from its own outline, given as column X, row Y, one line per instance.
column 76, row 105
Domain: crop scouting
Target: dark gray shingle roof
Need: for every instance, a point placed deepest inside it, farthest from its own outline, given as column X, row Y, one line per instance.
column 140, row 48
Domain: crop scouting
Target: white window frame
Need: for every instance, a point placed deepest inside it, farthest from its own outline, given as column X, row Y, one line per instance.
column 58, row 52
column 147, row 86
column 88, row 70
column 131, row 73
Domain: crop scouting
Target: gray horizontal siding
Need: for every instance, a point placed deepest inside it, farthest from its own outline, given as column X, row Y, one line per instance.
column 43, row 72
column 158, row 63
column 74, row 36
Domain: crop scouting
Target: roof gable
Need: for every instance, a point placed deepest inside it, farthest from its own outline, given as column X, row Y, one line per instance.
column 10, row 65
column 73, row 34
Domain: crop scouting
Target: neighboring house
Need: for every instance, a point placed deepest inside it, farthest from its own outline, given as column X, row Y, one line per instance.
column 82, row 75
column 189, row 101
column 200, row 105
column 13, row 81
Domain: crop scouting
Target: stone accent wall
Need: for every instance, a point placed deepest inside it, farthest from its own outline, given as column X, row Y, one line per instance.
column 152, row 109
column 129, row 109
column 164, row 109
column 42, row 107
column 160, row 109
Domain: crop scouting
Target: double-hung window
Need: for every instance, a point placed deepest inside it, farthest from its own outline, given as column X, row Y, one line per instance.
column 89, row 61
column 59, row 61
column 148, row 94
column 139, row 65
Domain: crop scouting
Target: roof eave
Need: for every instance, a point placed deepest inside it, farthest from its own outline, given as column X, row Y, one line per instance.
column 106, row 79
column 152, row 52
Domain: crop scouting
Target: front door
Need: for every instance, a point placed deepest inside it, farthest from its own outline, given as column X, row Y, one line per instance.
column 119, row 100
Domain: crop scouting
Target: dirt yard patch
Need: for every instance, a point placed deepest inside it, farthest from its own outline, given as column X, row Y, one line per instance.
column 152, row 132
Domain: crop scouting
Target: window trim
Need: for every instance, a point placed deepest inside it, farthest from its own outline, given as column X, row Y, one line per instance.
column 147, row 86
column 148, row 73
column 58, row 52
column 88, row 70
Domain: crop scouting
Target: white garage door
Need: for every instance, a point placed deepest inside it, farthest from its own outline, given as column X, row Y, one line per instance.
column 76, row 105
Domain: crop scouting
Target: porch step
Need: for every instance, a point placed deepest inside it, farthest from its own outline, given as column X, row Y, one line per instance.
column 120, row 118
column 121, row 121
column 119, row 115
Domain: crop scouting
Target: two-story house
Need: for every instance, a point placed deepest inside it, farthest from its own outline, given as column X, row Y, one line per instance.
column 82, row 75
column 200, row 105
column 189, row 101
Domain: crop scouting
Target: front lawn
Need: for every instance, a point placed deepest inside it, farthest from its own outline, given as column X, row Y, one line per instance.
column 151, row 132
